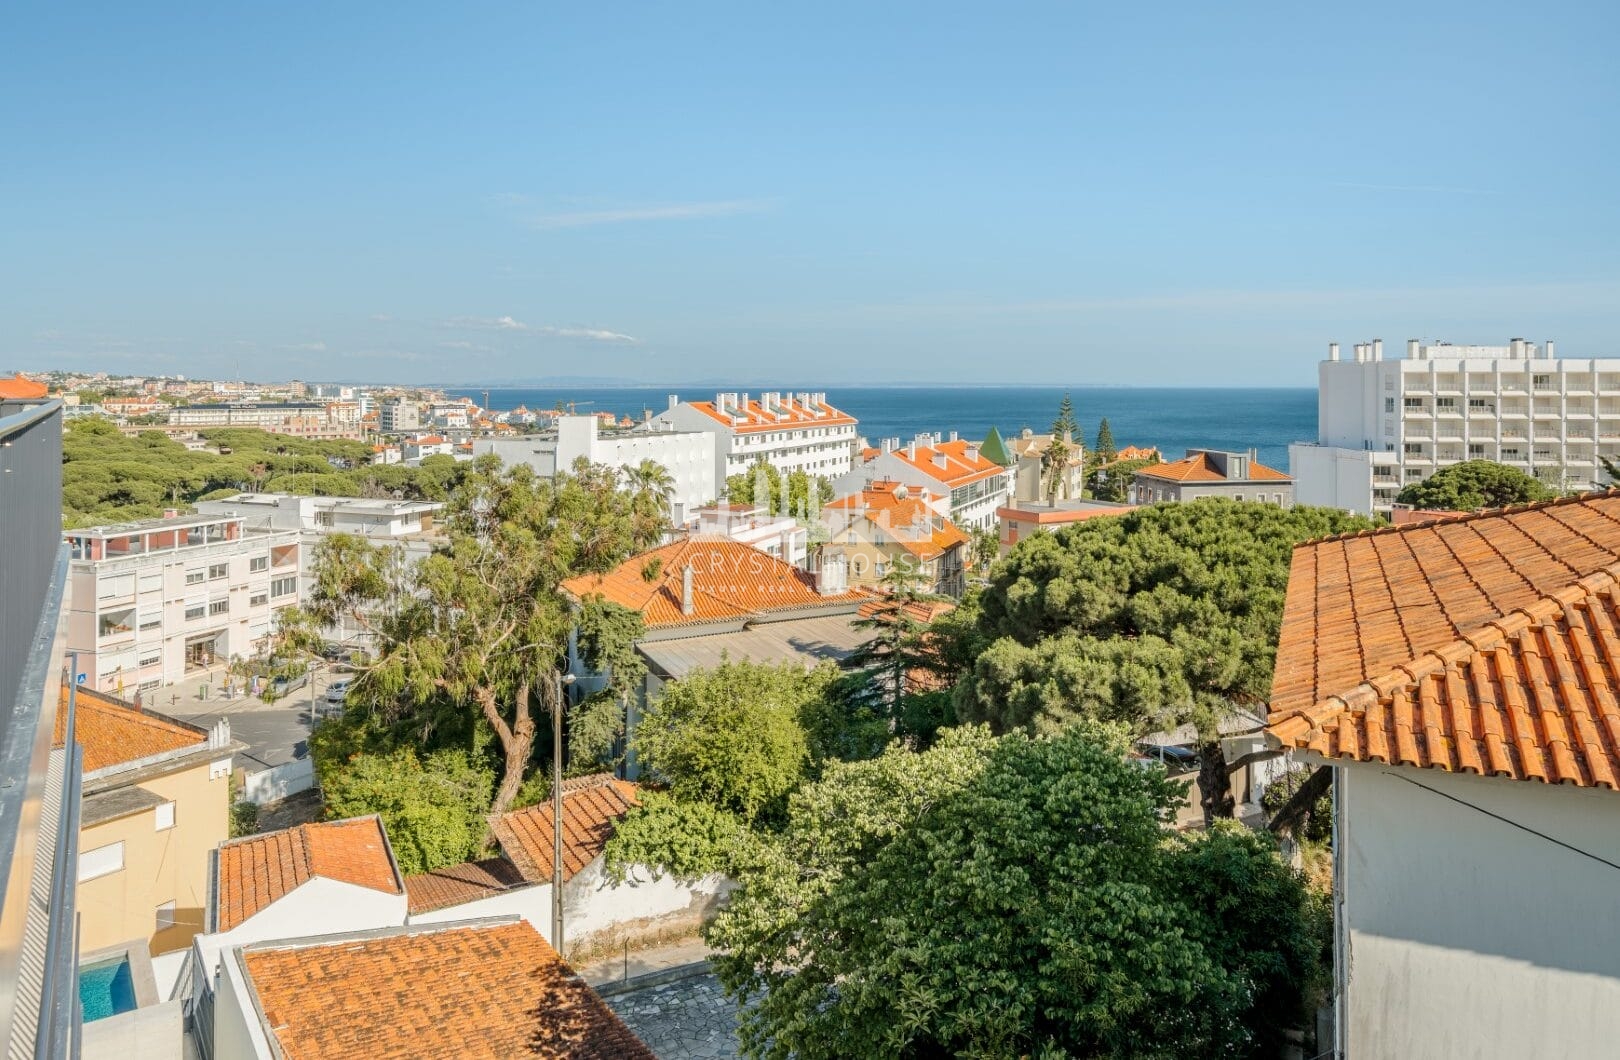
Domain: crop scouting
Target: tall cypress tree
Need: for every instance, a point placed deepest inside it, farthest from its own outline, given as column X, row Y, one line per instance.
column 1104, row 450
column 1065, row 427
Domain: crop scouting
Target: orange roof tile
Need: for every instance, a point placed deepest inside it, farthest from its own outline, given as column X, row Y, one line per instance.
column 730, row 581
column 459, row 884
column 473, row 991
column 20, row 386
column 1484, row 644
column 905, row 514
column 754, row 417
column 591, row 807
column 945, row 462
column 1200, row 468
column 1058, row 516
column 112, row 731
column 256, row 870
column 1137, row 452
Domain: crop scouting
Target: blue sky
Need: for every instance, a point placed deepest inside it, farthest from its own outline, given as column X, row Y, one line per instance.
column 1043, row 193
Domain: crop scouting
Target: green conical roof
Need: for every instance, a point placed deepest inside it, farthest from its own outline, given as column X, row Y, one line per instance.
column 993, row 448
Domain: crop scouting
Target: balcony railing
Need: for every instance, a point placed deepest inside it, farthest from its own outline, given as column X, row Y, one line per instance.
column 39, row 787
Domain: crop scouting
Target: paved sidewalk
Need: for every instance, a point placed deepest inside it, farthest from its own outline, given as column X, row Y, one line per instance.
column 644, row 962
column 688, row 1019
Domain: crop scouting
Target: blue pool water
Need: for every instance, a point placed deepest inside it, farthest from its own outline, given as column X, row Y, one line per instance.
column 106, row 989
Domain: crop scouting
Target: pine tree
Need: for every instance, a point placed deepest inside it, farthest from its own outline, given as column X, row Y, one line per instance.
column 1104, row 450
column 1065, row 427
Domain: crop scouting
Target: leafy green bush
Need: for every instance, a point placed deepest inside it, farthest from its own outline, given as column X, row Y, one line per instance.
column 433, row 807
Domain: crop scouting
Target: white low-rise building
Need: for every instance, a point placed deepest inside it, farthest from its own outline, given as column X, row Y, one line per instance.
column 1383, row 424
column 156, row 600
column 687, row 455
column 976, row 485
column 780, row 536
column 790, row 432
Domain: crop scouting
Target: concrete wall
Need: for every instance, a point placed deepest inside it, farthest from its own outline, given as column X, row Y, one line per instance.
column 277, row 782
column 159, row 866
column 532, row 903
column 238, row 1034
column 1468, row 936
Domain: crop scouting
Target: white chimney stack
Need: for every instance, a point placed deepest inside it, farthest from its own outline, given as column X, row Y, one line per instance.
column 1411, row 349
column 1550, row 353
column 1378, row 349
column 686, row 590
column 1333, row 351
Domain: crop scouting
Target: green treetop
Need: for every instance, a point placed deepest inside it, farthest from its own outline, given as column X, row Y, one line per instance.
column 1472, row 485
column 1104, row 450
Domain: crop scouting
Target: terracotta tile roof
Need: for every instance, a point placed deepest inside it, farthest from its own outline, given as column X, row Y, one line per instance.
column 953, row 467
column 459, row 884
column 591, row 807
column 1200, row 468
column 257, row 870
column 20, row 386
column 480, row 990
column 917, row 610
column 113, row 731
column 1059, row 516
column 904, row 513
column 754, row 417
column 1137, row 452
column 1485, row 644
column 730, row 581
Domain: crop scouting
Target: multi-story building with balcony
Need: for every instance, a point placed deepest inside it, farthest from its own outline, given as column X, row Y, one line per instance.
column 154, row 601
column 302, row 419
column 976, row 485
column 1382, row 424
column 790, row 432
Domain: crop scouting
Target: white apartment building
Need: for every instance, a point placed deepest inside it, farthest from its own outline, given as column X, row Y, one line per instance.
column 1382, row 424
column 688, row 455
column 153, row 601
column 976, row 485
column 775, row 535
column 397, row 417
column 791, row 432
column 302, row 419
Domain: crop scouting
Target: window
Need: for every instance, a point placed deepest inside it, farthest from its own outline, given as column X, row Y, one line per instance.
column 1477, row 403
column 1413, row 403
column 195, row 611
column 284, row 586
column 1414, row 449
column 152, row 620
column 323, row 518
column 1445, row 404
column 165, row 916
column 219, row 607
column 164, row 812
column 216, row 571
column 102, row 861
column 258, row 563
column 258, row 599
column 1475, row 451
column 1389, row 404
column 1237, row 496
column 155, row 659
column 195, row 577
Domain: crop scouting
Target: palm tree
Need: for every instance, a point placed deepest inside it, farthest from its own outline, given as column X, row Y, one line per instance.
column 650, row 485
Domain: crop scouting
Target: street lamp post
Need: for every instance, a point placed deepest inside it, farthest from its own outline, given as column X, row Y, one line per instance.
column 563, row 680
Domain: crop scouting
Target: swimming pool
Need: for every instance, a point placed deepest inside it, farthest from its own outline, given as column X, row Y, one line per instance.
column 106, row 988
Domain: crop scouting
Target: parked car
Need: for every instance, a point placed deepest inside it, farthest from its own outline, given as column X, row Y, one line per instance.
column 338, row 689
column 1171, row 756
column 280, row 686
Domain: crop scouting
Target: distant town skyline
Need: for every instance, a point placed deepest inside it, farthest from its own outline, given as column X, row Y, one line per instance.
column 1181, row 195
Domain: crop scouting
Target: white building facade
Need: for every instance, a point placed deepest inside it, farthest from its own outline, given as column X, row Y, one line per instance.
column 790, row 432
column 1383, row 424
column 688, row 455
column 976, row 485
column 154, row 601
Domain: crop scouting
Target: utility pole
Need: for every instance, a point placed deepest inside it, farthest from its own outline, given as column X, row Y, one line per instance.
column 563, row 681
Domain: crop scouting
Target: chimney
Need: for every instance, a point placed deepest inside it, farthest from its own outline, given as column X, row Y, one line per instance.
column 1333, row 351
column 1516, row 349
column 971, row 452
column 686, row 589
column 1411, row 349
column 674, row 399
column 939, row 460
column 911, row 450
column 953, row 436
column 1550, row 353
column 1378, row 349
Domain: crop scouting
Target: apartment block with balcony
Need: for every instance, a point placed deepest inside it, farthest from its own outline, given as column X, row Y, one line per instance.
column 1382, row 424
column 976, row 485
column 157, row 600
column 790, row 432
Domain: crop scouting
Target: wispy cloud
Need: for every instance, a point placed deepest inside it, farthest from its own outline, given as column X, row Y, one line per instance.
column 307, row 347
column 510, row 324
column 538, row 216
column 460, row 344
column 1424, row 189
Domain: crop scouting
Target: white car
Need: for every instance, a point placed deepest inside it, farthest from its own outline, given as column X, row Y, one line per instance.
column 337, row 690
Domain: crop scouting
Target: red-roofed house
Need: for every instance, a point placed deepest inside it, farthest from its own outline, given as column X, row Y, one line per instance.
column 975, row 484
column 890, row 525
column 791, row 432
column 156, row 803
column 22, row 388
column 1462, row 677
column 1213, row 473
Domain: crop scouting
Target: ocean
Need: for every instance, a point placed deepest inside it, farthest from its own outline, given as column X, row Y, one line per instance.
column 1173, row 418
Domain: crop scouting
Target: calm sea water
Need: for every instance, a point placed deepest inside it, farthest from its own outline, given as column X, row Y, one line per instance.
column 1174, row 419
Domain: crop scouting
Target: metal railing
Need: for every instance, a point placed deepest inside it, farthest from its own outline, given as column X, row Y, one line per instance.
column 39, row 788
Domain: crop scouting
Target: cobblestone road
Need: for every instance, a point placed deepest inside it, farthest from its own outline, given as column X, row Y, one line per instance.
column 684, row 1020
